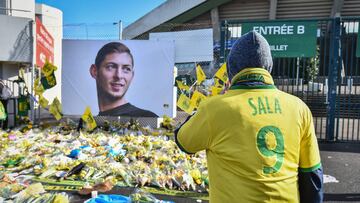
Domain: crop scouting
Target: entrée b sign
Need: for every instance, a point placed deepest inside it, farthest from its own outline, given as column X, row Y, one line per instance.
column 287, row 39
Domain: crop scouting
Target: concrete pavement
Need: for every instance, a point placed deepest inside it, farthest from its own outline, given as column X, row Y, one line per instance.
column 342, row 162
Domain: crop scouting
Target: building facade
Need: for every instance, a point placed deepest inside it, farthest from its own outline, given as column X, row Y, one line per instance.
column 18, row 45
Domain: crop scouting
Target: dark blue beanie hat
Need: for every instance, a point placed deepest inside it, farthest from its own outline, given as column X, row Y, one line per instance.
column 249, row 51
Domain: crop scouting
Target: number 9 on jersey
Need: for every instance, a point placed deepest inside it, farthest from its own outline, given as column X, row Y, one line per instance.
column 271, row 149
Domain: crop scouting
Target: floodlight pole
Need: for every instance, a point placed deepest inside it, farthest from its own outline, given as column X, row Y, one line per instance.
column 120, row 29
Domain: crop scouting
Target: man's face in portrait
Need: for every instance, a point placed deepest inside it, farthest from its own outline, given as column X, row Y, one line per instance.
column 114, row 75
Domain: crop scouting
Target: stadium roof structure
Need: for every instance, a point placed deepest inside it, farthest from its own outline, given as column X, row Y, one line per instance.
column 171, row 11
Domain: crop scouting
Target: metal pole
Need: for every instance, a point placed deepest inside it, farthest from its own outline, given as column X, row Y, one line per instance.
column 33, row 111
column 223, row 39
column 333, row 76
column 10, row 10
column 33, row 64
column 297, row 71
column 120, row 30
column 39, row 106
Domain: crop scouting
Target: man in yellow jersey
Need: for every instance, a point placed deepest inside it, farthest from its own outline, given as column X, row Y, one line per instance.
column 260, row 142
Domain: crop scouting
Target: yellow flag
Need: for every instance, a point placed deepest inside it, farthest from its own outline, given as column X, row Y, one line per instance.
column 38, row 87
column 222, row 73
column 89, row 119
column 216, row 90
column 55, row 109
column 48, row 69
column 37, row 81
column 217, row 82
column 43, row 101
column 184, row 104
column 182, row 86
column 51, row 80
column 2, row 112
column 200, row 75
column 196, row 99
column 22, row 73
column 60, row 198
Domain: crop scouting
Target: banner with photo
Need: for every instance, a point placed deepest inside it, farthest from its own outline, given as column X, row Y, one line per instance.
column 104, row 76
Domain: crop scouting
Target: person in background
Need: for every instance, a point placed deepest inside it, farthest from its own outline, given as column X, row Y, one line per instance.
column 260, row 142
column 4, row 98
column 113, row 71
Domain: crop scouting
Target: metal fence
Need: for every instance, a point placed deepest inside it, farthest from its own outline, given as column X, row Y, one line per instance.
column 328, row 83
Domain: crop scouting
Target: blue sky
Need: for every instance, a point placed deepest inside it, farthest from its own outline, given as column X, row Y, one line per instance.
column 95, row 18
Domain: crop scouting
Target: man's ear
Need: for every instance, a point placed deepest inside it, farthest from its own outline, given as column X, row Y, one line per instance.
column 93, row 71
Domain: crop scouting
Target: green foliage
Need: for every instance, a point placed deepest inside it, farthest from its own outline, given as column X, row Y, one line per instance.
column 312, row 66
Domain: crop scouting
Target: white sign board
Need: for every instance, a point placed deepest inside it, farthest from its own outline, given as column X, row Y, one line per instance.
column 101, row 84
column 190, row 46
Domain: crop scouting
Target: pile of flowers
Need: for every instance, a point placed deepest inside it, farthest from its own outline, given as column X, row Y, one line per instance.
column 120, row 154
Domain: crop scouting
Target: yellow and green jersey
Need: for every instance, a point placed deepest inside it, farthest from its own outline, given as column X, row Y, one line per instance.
column 256, row 139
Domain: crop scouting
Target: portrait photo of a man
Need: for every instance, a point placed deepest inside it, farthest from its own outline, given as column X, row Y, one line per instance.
column 113, row 72
column 128, row 78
